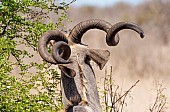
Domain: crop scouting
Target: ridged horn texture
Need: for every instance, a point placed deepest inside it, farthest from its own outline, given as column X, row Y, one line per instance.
column 60, row 46
column 113, row 40
column 78, row 31
column 61, row 51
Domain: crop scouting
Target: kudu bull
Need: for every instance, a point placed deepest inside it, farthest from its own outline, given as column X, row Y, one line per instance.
column 73, row 58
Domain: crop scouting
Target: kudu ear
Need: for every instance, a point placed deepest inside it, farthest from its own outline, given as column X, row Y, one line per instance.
column 69, row 69
column 100, row 57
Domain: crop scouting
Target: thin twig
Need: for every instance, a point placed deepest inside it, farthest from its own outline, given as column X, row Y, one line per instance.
column 4, row 28
column 162, row 106
column 105, row 98
column 125, row 93
column 123, row 102
column 28, row 43
column 69, row 3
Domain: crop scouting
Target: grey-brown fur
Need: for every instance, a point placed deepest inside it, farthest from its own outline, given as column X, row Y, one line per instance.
column 81, row 89
column 77, row 76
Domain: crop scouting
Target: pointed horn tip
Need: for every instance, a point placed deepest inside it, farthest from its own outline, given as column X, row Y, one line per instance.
column 142, row 35
column 83, row 44
column 112, row 43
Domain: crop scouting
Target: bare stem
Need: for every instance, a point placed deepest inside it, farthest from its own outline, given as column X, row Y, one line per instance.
column 125, row 93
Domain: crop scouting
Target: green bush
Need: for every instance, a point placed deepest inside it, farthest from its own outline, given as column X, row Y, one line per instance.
column 22, row 22
column 15, row 97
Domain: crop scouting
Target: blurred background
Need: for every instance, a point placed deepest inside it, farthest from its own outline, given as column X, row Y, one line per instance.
column 147, row 60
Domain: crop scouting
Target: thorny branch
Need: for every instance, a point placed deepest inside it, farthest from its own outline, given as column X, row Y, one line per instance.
column 160, row 100
column 126, row 92
column 112, row 94
column 69, row 3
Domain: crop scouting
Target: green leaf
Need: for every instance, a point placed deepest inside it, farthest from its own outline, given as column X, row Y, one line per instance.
column 22, row 22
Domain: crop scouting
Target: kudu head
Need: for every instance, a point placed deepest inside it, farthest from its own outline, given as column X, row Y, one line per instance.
column 77, row 76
